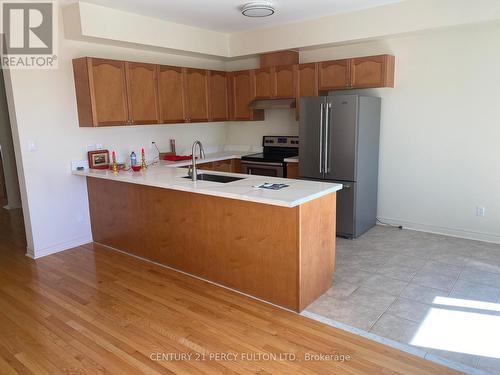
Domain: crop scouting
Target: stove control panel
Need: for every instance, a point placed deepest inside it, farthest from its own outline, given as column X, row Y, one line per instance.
column 280, row 141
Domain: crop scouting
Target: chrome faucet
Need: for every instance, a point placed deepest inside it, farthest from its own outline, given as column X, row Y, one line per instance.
column 193, row 172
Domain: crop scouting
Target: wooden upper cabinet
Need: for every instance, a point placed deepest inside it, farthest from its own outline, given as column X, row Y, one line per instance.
column 285, row 78
column 196, row 86
column 242, row 94
column 101, row 92
column 307, row 83
column 142, row 87
column 307, row 80
column 112, row 92
column 218, row 96
column 334, row 75
column 171, row 94
column 372, row 71
column 264, row 83
column 275, row 82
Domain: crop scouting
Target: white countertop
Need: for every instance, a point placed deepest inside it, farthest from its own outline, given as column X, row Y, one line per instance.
column 164, row 176
column 294, row 159
column 217, row 156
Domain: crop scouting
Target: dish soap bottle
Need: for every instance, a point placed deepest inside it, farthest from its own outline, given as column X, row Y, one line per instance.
column 133, row 158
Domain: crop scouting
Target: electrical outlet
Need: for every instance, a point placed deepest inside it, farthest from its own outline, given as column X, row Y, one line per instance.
column 79, row 163
column 480, row 211
column 80, row 217
column 32, row 145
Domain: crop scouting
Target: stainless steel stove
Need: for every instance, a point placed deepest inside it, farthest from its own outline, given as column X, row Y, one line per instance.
column 271, row 162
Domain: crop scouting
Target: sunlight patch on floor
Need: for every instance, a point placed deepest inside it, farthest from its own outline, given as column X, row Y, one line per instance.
column 462, row 326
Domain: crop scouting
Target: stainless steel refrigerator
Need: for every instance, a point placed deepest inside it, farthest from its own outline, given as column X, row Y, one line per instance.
column 339, row 142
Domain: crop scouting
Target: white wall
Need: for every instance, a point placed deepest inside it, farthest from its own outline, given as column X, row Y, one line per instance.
column 439, row 152
column 277, row 122
column 44, row 111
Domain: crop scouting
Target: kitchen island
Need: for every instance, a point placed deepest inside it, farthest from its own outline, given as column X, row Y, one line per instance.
column 278, row 246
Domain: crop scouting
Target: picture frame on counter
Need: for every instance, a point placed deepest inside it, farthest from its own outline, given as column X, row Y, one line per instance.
column 98, row 159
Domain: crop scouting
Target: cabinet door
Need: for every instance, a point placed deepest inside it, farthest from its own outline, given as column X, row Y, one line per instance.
column 142, row 88
column 264, row 83
column 171, row 94
column 206, row 166
column 334, row 74
column 285, row 79
column 109, row 88
column 242, row 94
column 197, row 95
column 218, row 96
column 372, row 71
column 223, row 166
column 236, row 166
column 307, row 83
column 292, row 170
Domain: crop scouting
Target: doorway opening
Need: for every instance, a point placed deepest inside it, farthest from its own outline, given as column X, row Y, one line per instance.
column 12, row 229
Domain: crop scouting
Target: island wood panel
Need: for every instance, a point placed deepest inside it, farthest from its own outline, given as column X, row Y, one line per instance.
column 250, row 247
column 317, row 233
column 334, row 74
column 142, row 95
column 171, row 94
column 196, row 82
column 92, row 310
column 109, row 89
column 218, row 96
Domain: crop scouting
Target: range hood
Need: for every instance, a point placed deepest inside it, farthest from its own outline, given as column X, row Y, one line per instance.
column 273, row 104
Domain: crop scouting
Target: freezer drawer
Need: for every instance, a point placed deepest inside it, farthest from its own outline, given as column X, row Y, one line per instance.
column 356, row 209
column 346, row 209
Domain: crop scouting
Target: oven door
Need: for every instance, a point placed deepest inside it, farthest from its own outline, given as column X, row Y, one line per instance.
column 263, row 169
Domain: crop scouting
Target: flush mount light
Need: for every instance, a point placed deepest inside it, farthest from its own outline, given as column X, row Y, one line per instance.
column 258, row 9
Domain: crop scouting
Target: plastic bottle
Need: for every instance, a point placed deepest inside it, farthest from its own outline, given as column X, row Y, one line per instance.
column 133, row 158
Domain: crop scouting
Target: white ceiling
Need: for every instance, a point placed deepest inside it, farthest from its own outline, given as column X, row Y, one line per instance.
column 224, row 15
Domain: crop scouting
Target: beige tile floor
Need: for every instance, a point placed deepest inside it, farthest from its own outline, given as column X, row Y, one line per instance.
column 436, row 293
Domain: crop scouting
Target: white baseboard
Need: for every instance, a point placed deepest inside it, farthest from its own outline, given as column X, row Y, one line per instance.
column 470, row 235
column 38, row 253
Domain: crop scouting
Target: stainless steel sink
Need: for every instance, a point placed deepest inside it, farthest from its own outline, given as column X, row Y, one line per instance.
column 216, row 178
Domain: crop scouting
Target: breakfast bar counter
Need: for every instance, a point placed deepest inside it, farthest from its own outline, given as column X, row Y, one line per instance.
column 275, row 245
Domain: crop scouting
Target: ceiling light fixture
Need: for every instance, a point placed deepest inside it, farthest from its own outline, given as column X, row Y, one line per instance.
column 258, row 9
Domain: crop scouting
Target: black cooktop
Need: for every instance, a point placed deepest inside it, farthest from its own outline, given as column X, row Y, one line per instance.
column 276, row 149
column 270, row 157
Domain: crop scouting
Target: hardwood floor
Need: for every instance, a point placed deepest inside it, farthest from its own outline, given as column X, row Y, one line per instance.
column 93, row 310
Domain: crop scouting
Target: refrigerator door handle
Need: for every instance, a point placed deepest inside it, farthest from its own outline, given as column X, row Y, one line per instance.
column 321, row 108
column 328, row 107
